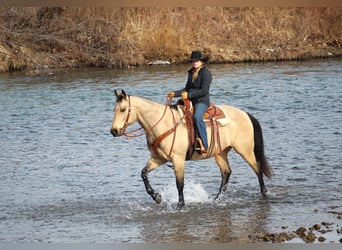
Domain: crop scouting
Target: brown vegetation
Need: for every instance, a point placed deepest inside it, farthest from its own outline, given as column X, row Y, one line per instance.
column 49, row 38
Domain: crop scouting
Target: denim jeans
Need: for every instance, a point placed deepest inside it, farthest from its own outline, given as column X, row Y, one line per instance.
column 200, row 109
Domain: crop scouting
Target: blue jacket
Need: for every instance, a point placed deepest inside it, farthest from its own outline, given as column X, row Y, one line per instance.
column 198, row 90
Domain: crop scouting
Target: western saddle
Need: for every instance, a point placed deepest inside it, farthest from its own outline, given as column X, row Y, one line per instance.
column 213, row 118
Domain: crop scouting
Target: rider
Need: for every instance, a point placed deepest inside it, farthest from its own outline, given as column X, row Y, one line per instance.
column 197, row 90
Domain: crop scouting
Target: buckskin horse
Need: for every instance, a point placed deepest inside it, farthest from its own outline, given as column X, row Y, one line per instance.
column 168, row 141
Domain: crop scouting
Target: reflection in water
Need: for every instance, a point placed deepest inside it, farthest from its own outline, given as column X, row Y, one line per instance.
column 210, row 222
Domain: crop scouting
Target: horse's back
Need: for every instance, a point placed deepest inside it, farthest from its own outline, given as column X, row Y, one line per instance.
column 239, row 130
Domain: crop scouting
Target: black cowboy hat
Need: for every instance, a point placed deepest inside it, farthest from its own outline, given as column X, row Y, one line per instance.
column 197, row 56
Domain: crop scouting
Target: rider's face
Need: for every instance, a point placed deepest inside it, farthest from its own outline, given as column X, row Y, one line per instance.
column 196, row 64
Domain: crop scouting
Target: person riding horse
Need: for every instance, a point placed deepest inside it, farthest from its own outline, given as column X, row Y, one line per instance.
column 197, row 90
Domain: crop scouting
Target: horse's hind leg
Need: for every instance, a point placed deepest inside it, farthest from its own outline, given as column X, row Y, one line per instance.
column 223, row 163
column 251, row 160
column 152, row 164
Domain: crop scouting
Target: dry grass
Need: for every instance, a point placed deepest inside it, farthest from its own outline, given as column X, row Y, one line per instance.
column 44, row 38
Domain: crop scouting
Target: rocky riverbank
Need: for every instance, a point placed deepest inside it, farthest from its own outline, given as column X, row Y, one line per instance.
column 44, row 39
column 325, row 231
column 320, row 232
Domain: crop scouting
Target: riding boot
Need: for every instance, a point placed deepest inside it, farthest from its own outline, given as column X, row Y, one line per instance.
column 199, row 146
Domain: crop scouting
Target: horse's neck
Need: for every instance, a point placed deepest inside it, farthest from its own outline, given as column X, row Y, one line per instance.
column 149, row 113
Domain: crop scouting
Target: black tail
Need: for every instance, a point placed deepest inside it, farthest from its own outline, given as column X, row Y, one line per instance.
column 263, row 165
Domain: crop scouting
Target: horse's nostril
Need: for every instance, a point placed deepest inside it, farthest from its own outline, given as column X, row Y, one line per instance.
column 114, row 132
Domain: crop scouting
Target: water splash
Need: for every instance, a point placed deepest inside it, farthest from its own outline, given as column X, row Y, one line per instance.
column 193, row 193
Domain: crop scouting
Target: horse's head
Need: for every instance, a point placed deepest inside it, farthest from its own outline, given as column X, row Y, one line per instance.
column 122, row 114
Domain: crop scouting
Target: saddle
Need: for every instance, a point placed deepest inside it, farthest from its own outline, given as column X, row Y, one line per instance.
column 213, row 117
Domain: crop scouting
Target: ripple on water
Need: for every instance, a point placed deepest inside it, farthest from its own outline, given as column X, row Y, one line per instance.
column 63, row 174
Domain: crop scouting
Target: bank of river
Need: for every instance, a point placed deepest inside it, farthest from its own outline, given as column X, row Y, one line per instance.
column 45, row 40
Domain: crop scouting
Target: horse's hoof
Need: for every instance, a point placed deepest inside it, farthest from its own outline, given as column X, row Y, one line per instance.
column 180, row 205
column 217, row 196
column 264, row 193
column 157, row 198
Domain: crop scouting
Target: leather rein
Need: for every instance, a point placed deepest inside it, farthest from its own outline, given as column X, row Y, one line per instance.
column 154, row 145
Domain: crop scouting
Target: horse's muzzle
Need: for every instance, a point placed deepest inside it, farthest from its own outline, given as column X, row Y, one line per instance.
column 115, row 132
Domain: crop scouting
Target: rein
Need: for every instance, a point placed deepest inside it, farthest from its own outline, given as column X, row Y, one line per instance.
column 129, row 134
column 154, row 145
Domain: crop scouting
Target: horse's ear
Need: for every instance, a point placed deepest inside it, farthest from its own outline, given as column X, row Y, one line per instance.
column 121, row 96
column 118, row 96
column 123, row 93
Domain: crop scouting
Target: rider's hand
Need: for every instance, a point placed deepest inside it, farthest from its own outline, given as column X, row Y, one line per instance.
column 184, row 95
column 171, row 94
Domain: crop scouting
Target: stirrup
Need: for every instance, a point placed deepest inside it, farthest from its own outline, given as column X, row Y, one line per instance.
column 199, row 146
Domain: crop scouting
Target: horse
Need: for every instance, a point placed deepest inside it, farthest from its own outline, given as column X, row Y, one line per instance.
column 168, row 141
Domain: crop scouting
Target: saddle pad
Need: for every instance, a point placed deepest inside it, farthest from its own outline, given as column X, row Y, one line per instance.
column 218, row 113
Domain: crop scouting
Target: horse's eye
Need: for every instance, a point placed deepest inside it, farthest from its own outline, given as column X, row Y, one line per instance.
column 122, row 109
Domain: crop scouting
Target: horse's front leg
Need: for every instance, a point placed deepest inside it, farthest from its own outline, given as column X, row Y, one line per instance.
column 178, row 165
column 152, row 164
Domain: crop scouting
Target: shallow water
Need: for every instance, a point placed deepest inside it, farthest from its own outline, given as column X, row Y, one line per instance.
column 64, row 178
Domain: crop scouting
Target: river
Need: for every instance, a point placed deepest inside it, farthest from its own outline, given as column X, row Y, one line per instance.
column 64, row 178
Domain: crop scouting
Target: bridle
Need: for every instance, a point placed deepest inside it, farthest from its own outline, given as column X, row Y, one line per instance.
column 156, row 142
column 131, row 134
